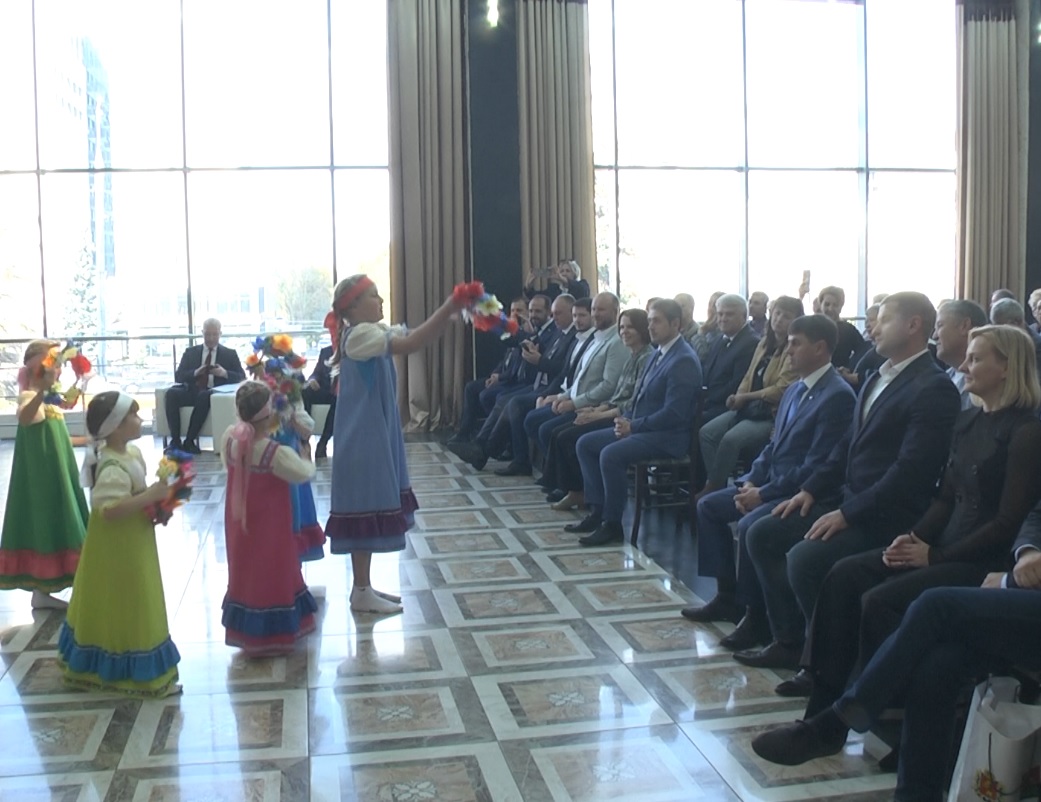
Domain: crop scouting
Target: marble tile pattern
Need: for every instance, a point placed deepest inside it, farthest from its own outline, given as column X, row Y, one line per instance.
column 524, row 668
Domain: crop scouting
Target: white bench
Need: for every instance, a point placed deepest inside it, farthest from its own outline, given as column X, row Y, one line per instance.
column 223, row 415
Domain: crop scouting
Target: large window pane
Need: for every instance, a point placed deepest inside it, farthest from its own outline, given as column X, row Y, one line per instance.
column 359, row 75
column 18, row 130
column 114, row 250
column 601, row 77
column 256, row 78
column 108, row 97
column 252, row 234
column 604, row 202
column 911, row 234
column 912, row 83
column 804, row 221
column 805, row 83
column 680, row 232
column 363, row 226
column 21, row 297
column 694, row 117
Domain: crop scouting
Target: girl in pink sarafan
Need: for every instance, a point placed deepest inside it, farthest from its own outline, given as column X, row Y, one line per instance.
column 372, row 503
column 267, row 606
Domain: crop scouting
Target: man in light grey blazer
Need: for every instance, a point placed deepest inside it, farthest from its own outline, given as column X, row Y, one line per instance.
column 595, row 377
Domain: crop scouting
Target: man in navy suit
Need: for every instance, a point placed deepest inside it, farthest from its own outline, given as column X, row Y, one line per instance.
column 659, row 424
column 202, row 368
column 947, row 641
column 729, row 356
column 890, row 462
column 319, row 390
column 813, row 417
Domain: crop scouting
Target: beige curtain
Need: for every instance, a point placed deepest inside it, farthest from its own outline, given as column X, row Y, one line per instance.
column 556, row 142
column 993, row 45
column 428, row 249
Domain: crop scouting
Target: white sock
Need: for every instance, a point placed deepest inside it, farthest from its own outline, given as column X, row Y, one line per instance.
column 388, row 596
column 42, row 601
column 366, row 600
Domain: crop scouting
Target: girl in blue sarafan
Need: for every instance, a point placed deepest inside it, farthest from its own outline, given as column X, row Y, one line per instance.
column 372, row 501
column 278, row 367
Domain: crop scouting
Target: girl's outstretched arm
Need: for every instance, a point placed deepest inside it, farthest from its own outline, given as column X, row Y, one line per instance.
column 427, row 332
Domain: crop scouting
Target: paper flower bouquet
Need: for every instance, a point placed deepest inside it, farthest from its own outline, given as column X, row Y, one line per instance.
column 274, row 362
column 483, row 309
column 177, row 470
column 55, row 360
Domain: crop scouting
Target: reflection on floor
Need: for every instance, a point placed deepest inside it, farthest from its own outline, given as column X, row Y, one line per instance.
column 523, row 668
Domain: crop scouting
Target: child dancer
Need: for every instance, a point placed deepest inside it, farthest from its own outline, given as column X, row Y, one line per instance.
column 372, row 500
column 46, row 515
column 116, row 636
column 295, row 431
column 267, row 606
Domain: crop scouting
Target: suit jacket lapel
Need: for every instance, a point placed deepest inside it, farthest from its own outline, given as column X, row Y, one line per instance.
column 906, row 375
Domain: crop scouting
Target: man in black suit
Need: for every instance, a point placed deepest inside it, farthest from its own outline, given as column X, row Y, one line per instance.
column 728, row 359
column 202, row 368
column 1009, row 312
column 879, row 481
column 319, row 390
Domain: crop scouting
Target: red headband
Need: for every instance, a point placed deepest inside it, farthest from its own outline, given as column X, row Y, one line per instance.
column 352, row 295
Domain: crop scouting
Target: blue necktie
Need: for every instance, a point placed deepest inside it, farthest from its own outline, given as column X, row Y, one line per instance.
column 800, row 393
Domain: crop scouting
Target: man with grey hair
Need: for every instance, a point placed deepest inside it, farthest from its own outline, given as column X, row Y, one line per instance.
column 690, row 326
column 758, row 303
column 1009, row 312
column 729, row 357
column 954, row 321
column 202, row 368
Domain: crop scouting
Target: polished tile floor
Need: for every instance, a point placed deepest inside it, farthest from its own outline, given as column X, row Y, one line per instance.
column 524, row 668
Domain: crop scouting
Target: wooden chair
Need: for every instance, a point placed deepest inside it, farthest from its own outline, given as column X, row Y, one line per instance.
column 668, row 482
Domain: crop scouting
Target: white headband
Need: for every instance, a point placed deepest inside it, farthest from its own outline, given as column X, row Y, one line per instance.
column 109, row 425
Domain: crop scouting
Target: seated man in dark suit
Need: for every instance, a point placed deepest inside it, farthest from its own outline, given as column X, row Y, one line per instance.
column 891, row 461
column 479, row 395
column 544, row 356
column 202, row 368
column 813, row 417
column 319, row 390
column 659, row 424
column 729, row 356
column 950, row 639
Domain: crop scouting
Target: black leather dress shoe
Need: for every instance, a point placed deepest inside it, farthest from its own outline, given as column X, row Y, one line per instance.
column 794, row 744
column 514, row 469
column 752, row 632
column 723, row 607
column 606, row 534
column 799, row 685
column 555, row 495
column 191, row 447
column 471, row 453
column 588, row 524
column 776, row 655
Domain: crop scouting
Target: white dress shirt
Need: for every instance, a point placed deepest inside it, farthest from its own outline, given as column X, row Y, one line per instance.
column 886, row 375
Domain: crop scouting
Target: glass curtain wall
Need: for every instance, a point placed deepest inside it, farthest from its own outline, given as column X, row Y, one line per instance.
column 739, row 143
column 166, row 162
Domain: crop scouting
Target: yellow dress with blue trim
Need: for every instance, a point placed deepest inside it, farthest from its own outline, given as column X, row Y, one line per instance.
column 116, row 636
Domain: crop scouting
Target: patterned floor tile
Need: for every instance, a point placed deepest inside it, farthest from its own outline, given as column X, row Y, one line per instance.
column 519, row 517
column 501, row 604
column 266, row 725
column 498, row 569
column 522, row 495
column 458, row 500
column 654, row 636
column 364, row 658
column 85, row 736
column 538, row 645
column 436, row 485
column 726, row 743
column 630, row 595
column 550, row 537
column 594, row 564
column 469, row 544
column 85, row 787
column 248, row 781
column 657, row 764
column 469, row 519
column 352, row 720
column 565, row 701
column 469, row 773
